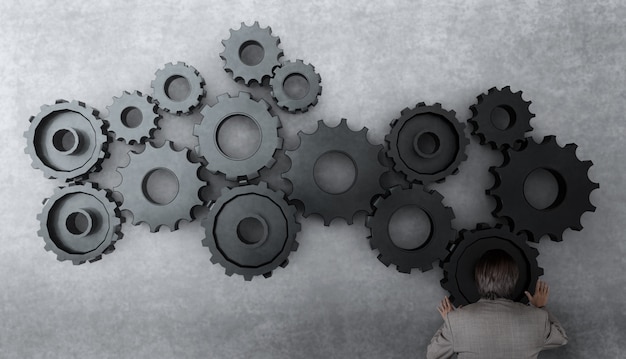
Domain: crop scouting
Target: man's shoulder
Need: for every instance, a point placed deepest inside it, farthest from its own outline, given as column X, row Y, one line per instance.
column 485, row 306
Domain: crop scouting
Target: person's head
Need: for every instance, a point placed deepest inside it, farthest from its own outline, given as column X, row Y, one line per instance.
column 496, row 275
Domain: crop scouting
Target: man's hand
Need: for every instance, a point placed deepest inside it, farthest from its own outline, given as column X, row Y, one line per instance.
column 445, row 307
column 542, row 291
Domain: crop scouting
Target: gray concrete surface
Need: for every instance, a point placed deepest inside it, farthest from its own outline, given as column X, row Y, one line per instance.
column 158, row 295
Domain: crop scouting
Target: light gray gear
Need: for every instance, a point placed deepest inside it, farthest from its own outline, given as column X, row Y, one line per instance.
column 163, row 79
column 288, row 70
column 136, row 198
column 67, row 140
column 121, row 108
column 225, row 108
column 80, row 223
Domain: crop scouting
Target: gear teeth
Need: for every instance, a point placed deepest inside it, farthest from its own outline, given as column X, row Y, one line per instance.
column 266, row 275
column 384, row 260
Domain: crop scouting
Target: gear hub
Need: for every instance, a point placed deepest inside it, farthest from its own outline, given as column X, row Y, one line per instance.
column 294, row 102
column 132, row 117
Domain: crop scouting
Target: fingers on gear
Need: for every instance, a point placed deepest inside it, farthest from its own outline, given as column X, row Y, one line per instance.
column 178, row 88
column 251, row 54
column 238, row 166
column 469, row 247
column 328, row 201
column 501, row 118
column 427, row 143
column 67, row 140
column 441, row 234
column 307, row 87
column 132, row 117
column 251, row 230
column 160, row 186
column 80, row 223
column 569, row 173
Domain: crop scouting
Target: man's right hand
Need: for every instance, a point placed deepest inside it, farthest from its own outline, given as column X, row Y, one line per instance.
column 540, row 298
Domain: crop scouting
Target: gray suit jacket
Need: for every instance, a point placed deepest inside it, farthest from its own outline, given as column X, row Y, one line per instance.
column 497, row 328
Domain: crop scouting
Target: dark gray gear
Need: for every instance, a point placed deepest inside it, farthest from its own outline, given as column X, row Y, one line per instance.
column 248, row 255
column 165, row 76
column 435, row 248
column 80, row 223
column 286, row 71
column 225, row 108
column 138, row 201
column 354, row 145
column 67, row 140
column 247, row 36
column 132, row 105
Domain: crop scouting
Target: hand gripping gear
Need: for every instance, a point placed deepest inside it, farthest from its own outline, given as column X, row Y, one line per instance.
column 165, row 98
column 287, row 101
column 132, row 117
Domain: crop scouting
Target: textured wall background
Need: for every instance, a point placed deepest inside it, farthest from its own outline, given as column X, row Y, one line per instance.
column 159, row 296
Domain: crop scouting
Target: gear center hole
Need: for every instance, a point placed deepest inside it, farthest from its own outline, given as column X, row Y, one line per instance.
column 177, row 88
column 296, row 86
column 131, row 117
column 503, row 117
column 238, row 137
column 251, row 53
column 409, row 227
column 78, row 223
column 426, row 144
column 160, row 186
column 252, row 230
column 543, row 189
column 334, row 172
column 65, row 140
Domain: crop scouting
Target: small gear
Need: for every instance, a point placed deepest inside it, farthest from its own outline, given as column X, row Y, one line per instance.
column 132, row 117
column 458, row 268
column 288, row 71
column 178, row 72
column 254, row 70
column 80, row 223
column 427, row 143
column 485, row 116
column 358, row 149
column 214, row 117
column 571, row 175
column 67, row 140
column 171, row 164
column 235, row 242
column 433, row 249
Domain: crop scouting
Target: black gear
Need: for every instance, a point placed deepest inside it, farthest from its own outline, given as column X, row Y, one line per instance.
column 80, row 223
column 519, row 117
column 441, row 234
column 233, row 250
column 298, row 68
column 573, row 181
column 458, row 268
column 426, row 143
column 215, row 116
column 163, row 79
column 354, row 145
column 122, row 107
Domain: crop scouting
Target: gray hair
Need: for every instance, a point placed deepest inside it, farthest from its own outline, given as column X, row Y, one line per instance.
column 496, row 275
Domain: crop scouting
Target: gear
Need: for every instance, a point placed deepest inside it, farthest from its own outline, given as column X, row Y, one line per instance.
column 296, row 69
column 172, row 164
column 163, row 80
column 574, row 188
column 342, row 140
column 80, row 223
column 213, row 118
column 458, row 268
column 427, row 143
column 509, row 103
column 251, row 71
column 134, row 105
column 240, row 249
column 67, row 140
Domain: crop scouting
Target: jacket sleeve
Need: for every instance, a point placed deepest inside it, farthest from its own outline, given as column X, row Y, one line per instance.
column 554, row 333
column 441, row 345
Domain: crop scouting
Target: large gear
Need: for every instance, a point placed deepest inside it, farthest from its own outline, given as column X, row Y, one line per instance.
column 285, row 72
column 485, row 112
column 67, row 140
column 427, row 143
column 138, row 200
column 358, row 149
column 254, row 255
column 238, row 41
column 571, row 175
column 213, row 118
column 80, row 223
column 129, row 105
column 161, row 86
column 458, row 268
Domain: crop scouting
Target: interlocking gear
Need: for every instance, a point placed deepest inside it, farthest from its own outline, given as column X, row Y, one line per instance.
column 132, row 105
column 441, row 231
column 67, row 140
column 80, row 223
column 166, row 76
column 254, row 36
column 248, row 253
column 354, row 145
column 503, row 135
column 427, row 143
column 574, row 188
column 295, row 104
column 458, row 268
column 213, row 118
column 140, row 202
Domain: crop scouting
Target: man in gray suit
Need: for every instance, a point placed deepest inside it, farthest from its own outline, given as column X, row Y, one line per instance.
column 496, row 326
